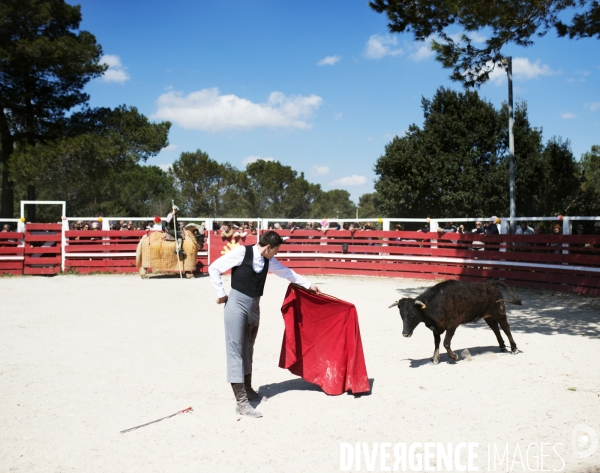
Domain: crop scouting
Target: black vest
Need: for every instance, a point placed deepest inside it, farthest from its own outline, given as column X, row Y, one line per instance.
column 245, row 280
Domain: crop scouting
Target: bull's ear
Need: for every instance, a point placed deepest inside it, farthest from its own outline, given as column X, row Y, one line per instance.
column 394, row 304
column 421, row 304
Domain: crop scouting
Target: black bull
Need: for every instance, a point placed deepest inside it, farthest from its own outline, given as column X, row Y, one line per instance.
column 445, row 306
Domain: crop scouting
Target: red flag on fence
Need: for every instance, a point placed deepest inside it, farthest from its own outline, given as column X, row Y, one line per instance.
column 322, row 342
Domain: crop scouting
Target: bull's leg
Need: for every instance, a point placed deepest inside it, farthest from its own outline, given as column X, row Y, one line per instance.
column 506, row 327
column 447, row 340
column 436, row 353
column 494, row 326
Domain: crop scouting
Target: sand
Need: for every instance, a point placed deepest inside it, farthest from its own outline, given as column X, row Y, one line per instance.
column 84, row 357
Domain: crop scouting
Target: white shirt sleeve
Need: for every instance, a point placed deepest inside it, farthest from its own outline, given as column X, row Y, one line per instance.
column 286, row 273
column 222, row 264
column 169, row 217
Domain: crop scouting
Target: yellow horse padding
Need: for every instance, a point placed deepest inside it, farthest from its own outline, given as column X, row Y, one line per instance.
column 159, row 254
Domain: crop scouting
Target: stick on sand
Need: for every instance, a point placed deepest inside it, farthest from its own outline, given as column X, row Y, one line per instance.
column 189, row 409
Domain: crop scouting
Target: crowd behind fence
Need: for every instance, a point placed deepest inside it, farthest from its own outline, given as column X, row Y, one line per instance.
column 564, row 256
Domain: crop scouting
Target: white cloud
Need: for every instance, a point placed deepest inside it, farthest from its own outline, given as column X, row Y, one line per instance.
column 379, row 46
column 253, row 159
column 579, row 76
column 474, row 36
column 116, row 71
column 319, row 170
column 328, row 61
column 353, row 180
column 523, row 69
column 338, row 116
column 170, row 147
column 567, row 115
column 207, row 110
column 593, row 106
column 424, row 52
column 165, row 167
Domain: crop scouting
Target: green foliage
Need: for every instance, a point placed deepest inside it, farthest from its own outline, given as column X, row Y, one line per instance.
column 95, row 165
column 333, row 204
column 588, row 200
column 207, row 188
column 368, row 205
column 504, row 22
column 447, row 168
column 590, row 166
column 44, row 65
column 456, row 165
column 275, row 190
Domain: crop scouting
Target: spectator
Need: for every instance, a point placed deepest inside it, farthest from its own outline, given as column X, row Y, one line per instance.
column 425, row 227
column 478, row 228
column 461, row 228
column 277, row 226
column 245, row 230
column 78, row 225
column 491, row 228
column 123, row 227
column 524, row 228
column 537, row 230
column 556, row 231
column 6, row 227
column 334, row 226
column 226, row 231
column 251, row 228
column 448, row 228
column 580, row 230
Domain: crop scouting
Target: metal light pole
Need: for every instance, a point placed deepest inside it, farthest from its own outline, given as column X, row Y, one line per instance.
column 507, row 61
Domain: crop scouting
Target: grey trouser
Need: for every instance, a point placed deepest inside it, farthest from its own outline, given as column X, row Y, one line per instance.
column 242, row 316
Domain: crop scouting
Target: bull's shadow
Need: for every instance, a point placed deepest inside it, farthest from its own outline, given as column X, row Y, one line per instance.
column 298, row 384
column 543, row 311
column 446, row 360
column 549, row 312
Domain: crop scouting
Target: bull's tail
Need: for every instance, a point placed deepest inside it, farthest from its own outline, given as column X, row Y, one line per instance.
column 514, row 298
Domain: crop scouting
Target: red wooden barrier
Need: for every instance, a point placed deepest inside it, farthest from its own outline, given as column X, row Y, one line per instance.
column 561, row 262
column 12, row 252
column 43, row 253
column 522, row 260
column 108, row 251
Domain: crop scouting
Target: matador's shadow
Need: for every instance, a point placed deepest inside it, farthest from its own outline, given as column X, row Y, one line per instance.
column 298, row 384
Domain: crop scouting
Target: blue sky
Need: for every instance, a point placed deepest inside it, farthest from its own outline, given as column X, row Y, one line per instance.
column 319, row 86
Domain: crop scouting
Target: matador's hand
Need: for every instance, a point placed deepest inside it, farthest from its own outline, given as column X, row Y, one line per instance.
column 314, row 288
column 222, row 300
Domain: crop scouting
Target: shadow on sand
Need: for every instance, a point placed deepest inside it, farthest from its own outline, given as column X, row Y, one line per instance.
column 298, row 384
column 444, row 359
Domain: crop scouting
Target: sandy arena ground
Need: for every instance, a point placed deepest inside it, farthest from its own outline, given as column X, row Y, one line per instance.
column 84, row 357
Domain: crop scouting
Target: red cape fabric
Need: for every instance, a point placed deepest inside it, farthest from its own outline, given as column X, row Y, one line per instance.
column 322, row 342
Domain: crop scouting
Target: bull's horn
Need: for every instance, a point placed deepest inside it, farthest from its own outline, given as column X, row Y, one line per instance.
column 420, row 303
column 394, row 304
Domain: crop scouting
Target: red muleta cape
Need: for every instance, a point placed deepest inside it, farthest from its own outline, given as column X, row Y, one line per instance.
column 322, row 342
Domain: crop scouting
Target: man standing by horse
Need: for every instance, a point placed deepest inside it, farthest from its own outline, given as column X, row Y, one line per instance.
column 249, row 265
column 172, row 227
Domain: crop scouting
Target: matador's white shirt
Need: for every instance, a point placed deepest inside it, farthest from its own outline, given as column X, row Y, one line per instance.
column 235, row 257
